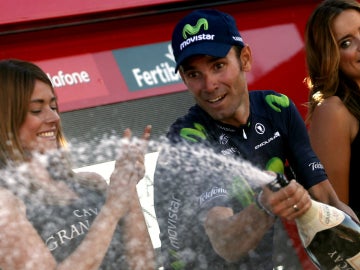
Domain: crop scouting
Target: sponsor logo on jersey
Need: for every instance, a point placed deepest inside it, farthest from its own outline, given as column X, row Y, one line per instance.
column 229, row 151
column 215, row 192
column 316, row 166
column 277, row 102
column 259, row 128
column 172, row 222
column 223, row 139
column 276, row 135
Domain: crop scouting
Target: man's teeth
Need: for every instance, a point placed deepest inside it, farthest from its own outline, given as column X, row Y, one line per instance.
column 216, row 99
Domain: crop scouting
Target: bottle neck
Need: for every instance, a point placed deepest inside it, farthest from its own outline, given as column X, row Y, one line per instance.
column 310, row 214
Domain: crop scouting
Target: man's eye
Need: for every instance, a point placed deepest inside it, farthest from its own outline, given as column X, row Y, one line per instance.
column 192, row 74
column 219, row 65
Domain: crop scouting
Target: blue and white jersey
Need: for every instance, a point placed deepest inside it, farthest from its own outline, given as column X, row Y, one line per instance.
column 185, row 188
column 274, row 135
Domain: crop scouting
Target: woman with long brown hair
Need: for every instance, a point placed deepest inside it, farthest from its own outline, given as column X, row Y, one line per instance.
column 51, row 217
column 333, row 59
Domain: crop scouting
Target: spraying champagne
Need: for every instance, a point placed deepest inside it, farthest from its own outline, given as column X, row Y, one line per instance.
column 330, row 237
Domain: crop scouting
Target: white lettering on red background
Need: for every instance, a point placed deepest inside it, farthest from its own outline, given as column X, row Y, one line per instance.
column 62, row 79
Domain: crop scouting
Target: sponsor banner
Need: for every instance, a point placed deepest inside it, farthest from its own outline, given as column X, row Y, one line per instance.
column 90, row 80
column 77, row 81
column 147, row 66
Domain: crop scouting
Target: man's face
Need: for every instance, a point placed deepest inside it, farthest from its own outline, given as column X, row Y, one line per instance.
column 219, row 85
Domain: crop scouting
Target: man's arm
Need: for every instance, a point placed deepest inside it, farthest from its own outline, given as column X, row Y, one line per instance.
column 234, row 235
column 324, row 192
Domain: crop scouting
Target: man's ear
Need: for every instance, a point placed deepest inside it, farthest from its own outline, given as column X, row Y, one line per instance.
column 246, row 58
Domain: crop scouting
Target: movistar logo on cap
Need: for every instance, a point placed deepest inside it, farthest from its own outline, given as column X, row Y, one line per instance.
column 193, row 30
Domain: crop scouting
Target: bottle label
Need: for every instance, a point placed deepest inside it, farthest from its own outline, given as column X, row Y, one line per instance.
column 326, row 217
column 330, row 216
column 354, row 261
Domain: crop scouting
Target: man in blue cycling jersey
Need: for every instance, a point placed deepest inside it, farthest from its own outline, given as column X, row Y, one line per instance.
column 201, row 225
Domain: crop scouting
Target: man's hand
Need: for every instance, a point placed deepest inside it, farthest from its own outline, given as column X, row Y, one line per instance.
column 289, row 202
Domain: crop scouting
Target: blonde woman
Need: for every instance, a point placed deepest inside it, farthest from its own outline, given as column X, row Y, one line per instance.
column 50, row 217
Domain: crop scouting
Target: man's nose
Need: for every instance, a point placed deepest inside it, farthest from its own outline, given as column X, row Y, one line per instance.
column 210, row 83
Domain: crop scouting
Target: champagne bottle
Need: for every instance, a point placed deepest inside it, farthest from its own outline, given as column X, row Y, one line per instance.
column 330, row 237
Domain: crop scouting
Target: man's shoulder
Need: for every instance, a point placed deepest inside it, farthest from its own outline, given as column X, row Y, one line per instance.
column 261, row 94
column 268, row 101
column 192, row 126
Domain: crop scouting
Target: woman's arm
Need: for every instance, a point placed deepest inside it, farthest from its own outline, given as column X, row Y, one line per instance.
column 22, row 248
column 20, row 245
column 331, row 132
column 139, row 249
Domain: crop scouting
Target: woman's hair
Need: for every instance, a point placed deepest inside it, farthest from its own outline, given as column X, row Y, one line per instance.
column 17, row 82
column 325, row 79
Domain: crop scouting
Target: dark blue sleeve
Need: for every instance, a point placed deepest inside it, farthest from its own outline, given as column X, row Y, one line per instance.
column 305, row 164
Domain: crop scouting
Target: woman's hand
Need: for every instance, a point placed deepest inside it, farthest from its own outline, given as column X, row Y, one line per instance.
column 129, row 168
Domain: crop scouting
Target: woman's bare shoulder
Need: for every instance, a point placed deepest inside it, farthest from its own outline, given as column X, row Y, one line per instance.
column 333, row 108
column 332, row 115
column 332, row 102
